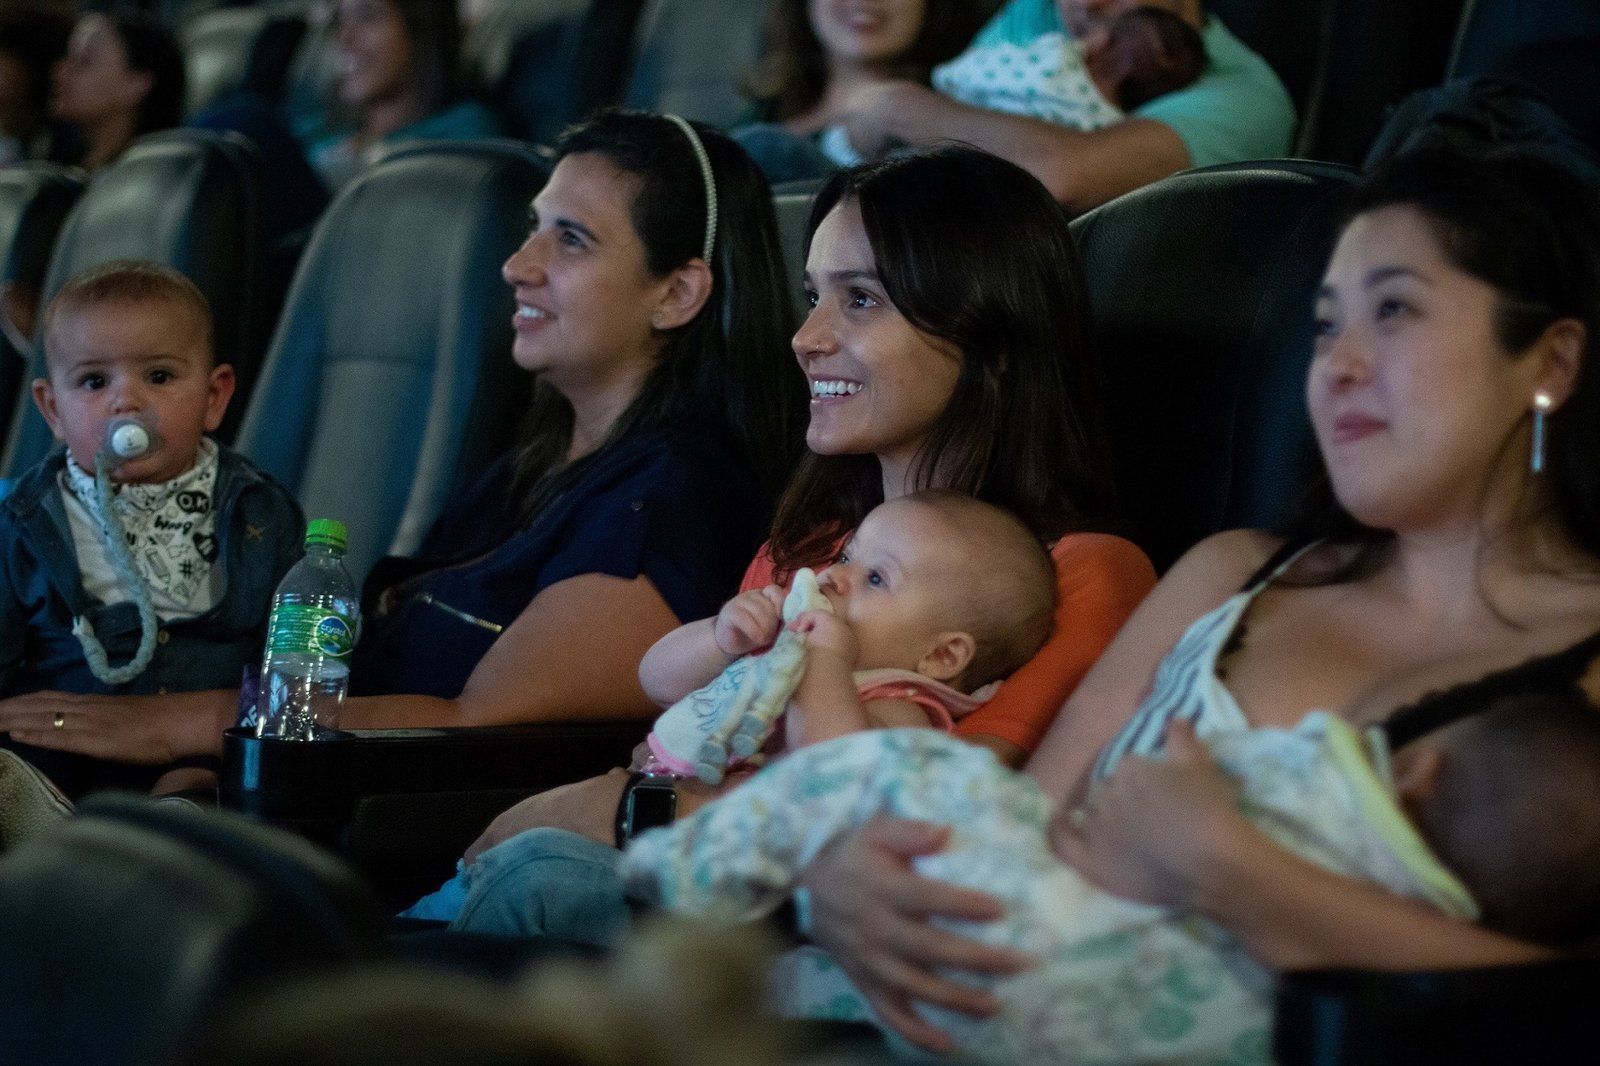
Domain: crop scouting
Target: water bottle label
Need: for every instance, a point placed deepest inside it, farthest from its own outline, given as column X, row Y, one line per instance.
column 304, row 629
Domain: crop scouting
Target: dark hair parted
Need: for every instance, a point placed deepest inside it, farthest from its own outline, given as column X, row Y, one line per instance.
column 434, row 30
column 151, row 49
column 791, row 73
column 1530, row 229
column 972, row 250
column 729, row 366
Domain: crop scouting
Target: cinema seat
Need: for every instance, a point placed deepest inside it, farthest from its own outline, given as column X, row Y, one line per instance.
column 186, row 198
column 1202, row 288
column 389, row 383
column 135, row 920
column 235, row 48
column 34, row 201
column 688, row 57
column 1476, row 1016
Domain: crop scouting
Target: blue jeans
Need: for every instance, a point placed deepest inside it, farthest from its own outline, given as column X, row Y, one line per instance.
column 541, row 883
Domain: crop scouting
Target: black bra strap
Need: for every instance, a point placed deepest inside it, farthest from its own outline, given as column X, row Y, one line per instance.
column 1557, row 672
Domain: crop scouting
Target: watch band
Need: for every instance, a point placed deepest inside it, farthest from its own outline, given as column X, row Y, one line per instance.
column 648, row 801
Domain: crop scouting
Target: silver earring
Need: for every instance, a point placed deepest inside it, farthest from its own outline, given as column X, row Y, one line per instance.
column 1541, row 407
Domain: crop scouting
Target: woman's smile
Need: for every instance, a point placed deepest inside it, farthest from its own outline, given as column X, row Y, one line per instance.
column 824, row 389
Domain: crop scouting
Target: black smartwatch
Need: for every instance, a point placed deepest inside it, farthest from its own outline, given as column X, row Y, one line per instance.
column 648, row 800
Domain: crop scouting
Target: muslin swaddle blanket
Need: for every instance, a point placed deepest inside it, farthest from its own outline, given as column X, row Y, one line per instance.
column 730, row 718
column 1118, row 981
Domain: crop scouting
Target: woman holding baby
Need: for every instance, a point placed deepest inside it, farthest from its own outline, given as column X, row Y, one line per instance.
column 967, row 371
column 1452, row 550
column 946, row 348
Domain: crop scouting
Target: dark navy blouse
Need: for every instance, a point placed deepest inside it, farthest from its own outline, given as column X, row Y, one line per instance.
column 676, row 506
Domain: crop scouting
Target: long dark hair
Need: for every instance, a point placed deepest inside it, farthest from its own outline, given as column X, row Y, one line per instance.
column 974, row 251
column 434, row 30
column 151, row 48
column 729, row 366
column 1531, row 230
column 34, row 40
column 791, row 73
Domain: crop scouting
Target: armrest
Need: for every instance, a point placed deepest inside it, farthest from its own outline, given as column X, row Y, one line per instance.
column 1533, row 1012
column 417, row 797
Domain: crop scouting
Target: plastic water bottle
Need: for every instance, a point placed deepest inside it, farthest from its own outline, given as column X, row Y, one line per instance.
column 316, row 617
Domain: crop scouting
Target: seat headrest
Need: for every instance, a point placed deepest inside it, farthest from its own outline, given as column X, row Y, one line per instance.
column 1202, row 287
column 131, row 922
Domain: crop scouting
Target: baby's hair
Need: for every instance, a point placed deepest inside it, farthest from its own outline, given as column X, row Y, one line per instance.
column 127, row 281
column 1009, row 604
column 1514, row 814
column 1179, row 57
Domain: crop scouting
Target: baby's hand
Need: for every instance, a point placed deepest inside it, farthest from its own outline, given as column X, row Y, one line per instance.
column 827, row 632
column 749, row 621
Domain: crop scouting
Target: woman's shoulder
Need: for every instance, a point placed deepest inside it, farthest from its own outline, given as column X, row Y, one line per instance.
column 1223, row 562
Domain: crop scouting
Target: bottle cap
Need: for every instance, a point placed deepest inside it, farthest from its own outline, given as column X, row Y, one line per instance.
column 326, row 531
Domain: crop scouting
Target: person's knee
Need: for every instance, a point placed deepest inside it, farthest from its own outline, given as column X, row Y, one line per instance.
column 547, row 882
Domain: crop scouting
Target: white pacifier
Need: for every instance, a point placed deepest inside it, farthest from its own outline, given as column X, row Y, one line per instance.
column 127, row 438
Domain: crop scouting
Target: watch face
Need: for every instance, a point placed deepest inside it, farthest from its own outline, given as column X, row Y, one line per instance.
column 650, row 805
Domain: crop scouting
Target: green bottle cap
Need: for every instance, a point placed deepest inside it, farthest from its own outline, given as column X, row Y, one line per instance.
column 326, row 531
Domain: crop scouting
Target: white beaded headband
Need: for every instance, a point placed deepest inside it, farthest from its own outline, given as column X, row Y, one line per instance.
column 706, row 176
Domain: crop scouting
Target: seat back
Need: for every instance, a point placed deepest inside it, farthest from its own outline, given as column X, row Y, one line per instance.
column 1202, row 288
column 34, row 201
column 792, row 204
column 1491, row 29
column 310, row 85
column 544, row 64
column 1375, row 54
column 688, row 57
column 1478, row 1016
column 133, row 921
column 1553, row 45
column 1288, row 34
column 186, row 198
column 389, row 382
column 235, row 48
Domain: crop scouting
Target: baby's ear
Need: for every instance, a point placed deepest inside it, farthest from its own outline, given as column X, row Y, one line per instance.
column 44, row 398
column 948, row 655
column 1416, row 774
column 219, row 390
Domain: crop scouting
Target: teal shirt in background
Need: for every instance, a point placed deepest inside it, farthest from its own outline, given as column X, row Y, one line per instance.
column 1236, row 110
column 336, row 163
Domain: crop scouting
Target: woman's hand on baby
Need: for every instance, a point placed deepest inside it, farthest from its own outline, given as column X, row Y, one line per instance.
column 870, row 910
column 1153, row 830
column 749, row 621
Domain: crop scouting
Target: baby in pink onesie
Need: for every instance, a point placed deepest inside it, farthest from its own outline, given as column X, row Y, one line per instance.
column 936, row 596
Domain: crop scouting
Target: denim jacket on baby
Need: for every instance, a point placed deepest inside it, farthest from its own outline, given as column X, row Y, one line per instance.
column 259, row 529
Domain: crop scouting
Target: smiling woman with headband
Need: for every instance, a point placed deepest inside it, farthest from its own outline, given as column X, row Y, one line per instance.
column 651, row 310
